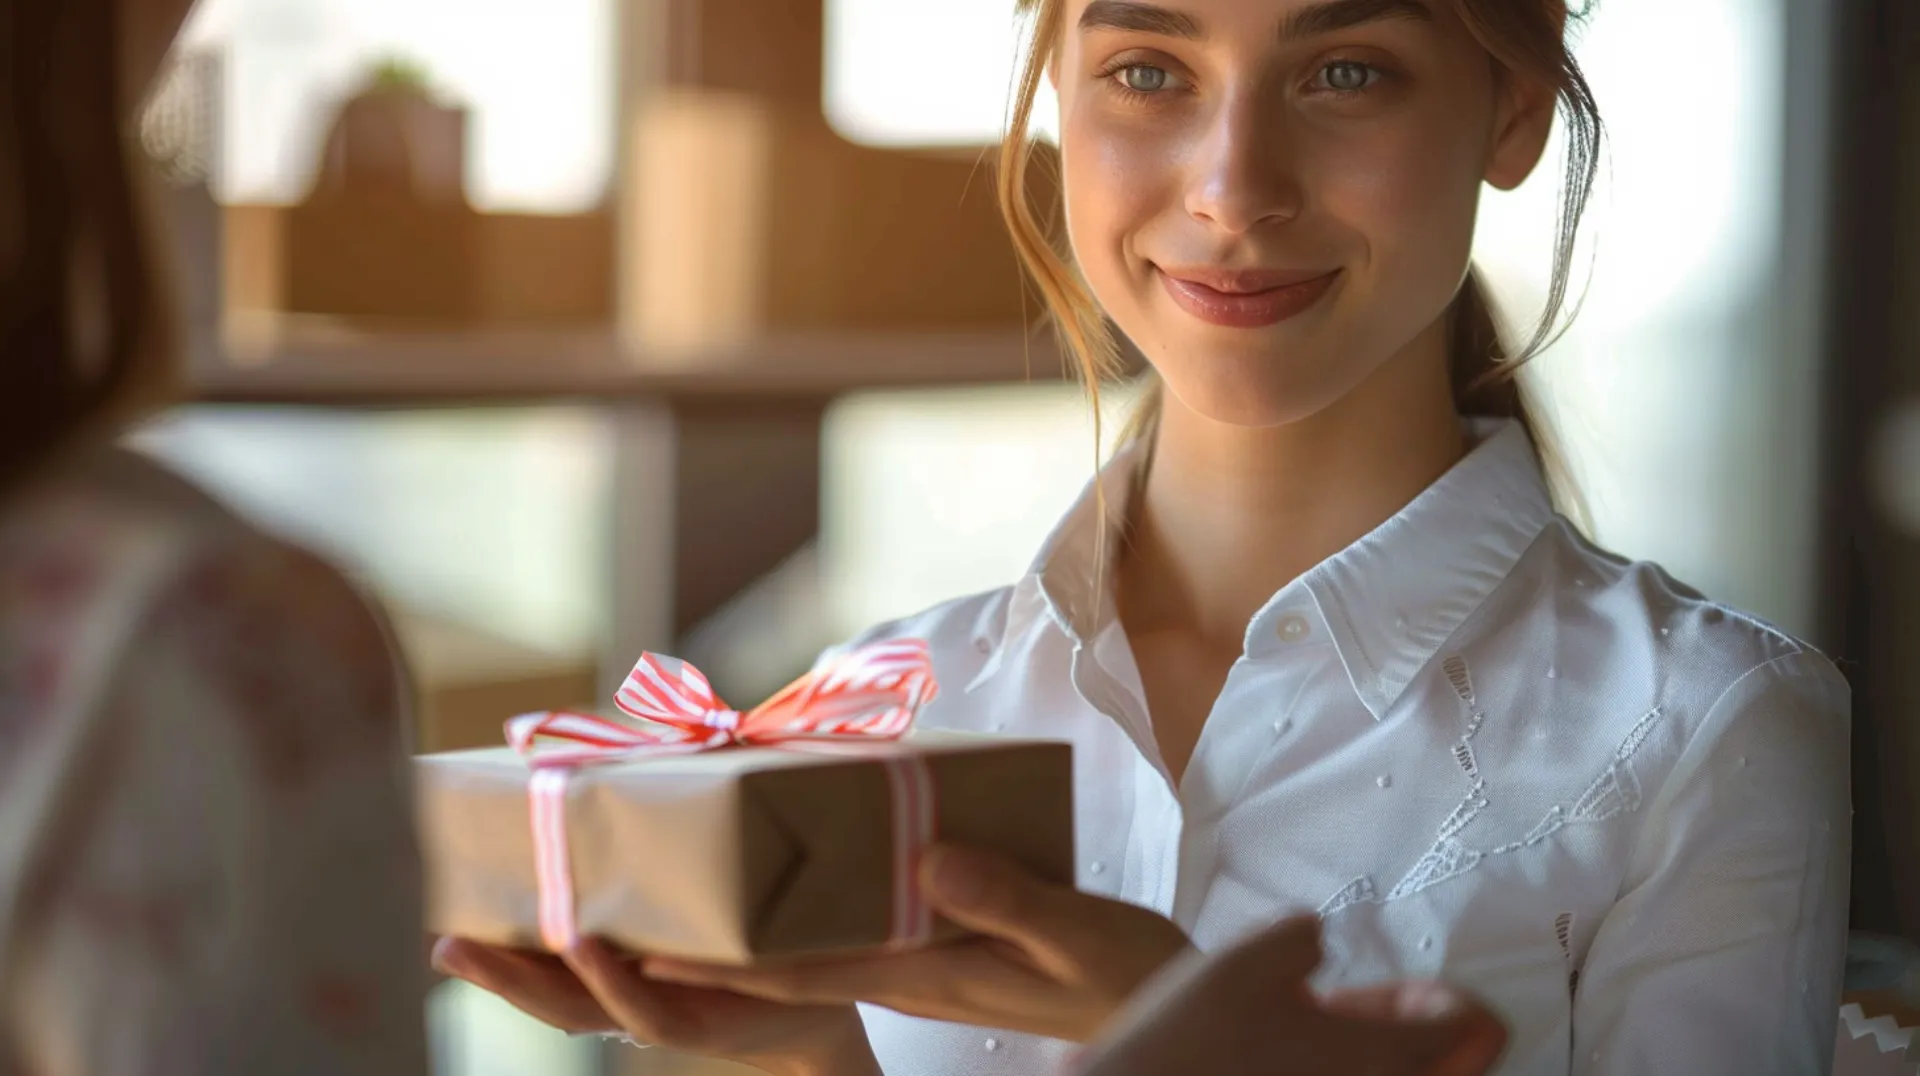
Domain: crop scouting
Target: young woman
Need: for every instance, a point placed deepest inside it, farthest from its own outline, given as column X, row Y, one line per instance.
column 1318, row 635
column 205, row 865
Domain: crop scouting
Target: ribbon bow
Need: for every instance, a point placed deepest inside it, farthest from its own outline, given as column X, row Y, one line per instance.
column 871, row 693
column 865, row 697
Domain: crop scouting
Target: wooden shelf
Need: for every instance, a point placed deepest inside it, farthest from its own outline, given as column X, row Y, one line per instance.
column 313, row 362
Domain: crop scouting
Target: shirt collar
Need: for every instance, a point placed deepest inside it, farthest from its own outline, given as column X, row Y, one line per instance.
column 1062, row 585
column 1432, row 563
column 1428, row 567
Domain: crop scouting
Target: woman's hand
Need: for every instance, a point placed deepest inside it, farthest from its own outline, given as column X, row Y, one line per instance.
column 1248, row 1012
column 593, row 990
column 1051, row 960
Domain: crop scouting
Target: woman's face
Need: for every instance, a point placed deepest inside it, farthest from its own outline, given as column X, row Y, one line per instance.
column 1274, row 198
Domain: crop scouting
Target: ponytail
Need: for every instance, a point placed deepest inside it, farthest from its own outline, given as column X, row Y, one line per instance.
column 1486, row 384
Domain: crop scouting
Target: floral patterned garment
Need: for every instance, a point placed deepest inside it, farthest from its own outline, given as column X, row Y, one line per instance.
column 207, row 861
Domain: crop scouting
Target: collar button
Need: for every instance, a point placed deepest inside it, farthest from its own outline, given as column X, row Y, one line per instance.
column 1293, row 628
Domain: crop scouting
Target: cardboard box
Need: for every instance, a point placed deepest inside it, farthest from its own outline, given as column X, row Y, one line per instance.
column 741, row 855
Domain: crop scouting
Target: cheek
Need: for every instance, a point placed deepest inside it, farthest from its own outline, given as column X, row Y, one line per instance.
column 1114, row 180
column 1410, row 191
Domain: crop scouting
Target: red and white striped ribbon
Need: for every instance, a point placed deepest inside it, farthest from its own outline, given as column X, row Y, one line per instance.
column 852, row 705
column 547, row 798
column 910, row 783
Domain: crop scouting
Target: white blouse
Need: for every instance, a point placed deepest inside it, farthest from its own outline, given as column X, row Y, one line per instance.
column 1484, row 750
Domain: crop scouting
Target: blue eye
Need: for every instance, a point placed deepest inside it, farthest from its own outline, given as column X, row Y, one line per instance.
column 1143, row 78
column 1347, row 77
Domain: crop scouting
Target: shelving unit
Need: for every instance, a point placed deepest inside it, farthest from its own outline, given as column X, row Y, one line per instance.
column 312, row 362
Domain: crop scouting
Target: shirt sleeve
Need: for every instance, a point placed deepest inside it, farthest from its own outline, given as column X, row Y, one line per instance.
column 1725, row 952
column 220, row 874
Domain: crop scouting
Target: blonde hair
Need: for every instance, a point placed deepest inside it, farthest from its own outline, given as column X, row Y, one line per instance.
column 1524, row 36
column 81, row 315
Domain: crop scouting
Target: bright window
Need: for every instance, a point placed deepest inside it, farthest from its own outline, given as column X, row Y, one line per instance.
column 536, row 73
column 923, row 72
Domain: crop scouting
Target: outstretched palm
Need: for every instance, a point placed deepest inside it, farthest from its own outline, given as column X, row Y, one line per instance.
column 597, row 991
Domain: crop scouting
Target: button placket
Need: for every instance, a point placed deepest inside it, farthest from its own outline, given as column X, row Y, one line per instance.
column 1153, row 842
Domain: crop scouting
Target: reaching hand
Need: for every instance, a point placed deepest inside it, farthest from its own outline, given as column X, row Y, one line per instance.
column 594, row 990
column 1049, row 959
column 1249, row 1012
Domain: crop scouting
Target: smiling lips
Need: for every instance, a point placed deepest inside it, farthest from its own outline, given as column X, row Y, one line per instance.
column 1245, row 299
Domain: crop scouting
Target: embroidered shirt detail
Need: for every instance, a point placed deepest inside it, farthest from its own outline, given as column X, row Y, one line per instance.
column 1358, row 891
column 1461, row 677
column 1563, row 932
column 1475, row 802
column 1638, row 734
column 1449, row 858
column 1615, row 791
column 1462, row 681
column 1555, row 818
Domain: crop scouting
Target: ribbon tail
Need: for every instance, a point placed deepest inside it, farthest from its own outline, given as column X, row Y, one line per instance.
column 553, row 868
column 915, row 816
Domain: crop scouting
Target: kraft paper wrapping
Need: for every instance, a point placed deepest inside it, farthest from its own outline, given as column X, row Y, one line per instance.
column 744, row 855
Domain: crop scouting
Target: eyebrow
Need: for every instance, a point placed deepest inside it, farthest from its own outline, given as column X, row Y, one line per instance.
column 1335, row 15
column 1139, row 18
column 1322, row 18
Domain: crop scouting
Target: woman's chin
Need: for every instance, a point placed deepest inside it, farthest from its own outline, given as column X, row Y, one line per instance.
column 1251, row 402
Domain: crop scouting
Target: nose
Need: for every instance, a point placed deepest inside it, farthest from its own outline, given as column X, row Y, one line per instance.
column 1241, row 175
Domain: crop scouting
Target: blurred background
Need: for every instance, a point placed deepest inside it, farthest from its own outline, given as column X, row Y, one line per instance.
column 580, row 327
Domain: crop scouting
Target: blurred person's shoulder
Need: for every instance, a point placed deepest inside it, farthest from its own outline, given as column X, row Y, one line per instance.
column 112, row 551
column 115, row 516
column 111, row 504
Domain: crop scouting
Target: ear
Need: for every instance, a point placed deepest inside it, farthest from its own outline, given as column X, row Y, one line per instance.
column 1522, row 123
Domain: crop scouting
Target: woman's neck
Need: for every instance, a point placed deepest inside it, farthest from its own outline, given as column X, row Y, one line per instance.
column 1227, row 515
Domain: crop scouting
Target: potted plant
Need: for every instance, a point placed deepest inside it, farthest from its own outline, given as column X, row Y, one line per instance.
column 387, row 234
column 395, row 139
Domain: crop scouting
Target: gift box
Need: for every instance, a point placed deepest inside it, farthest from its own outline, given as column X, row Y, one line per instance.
column 695, row 831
